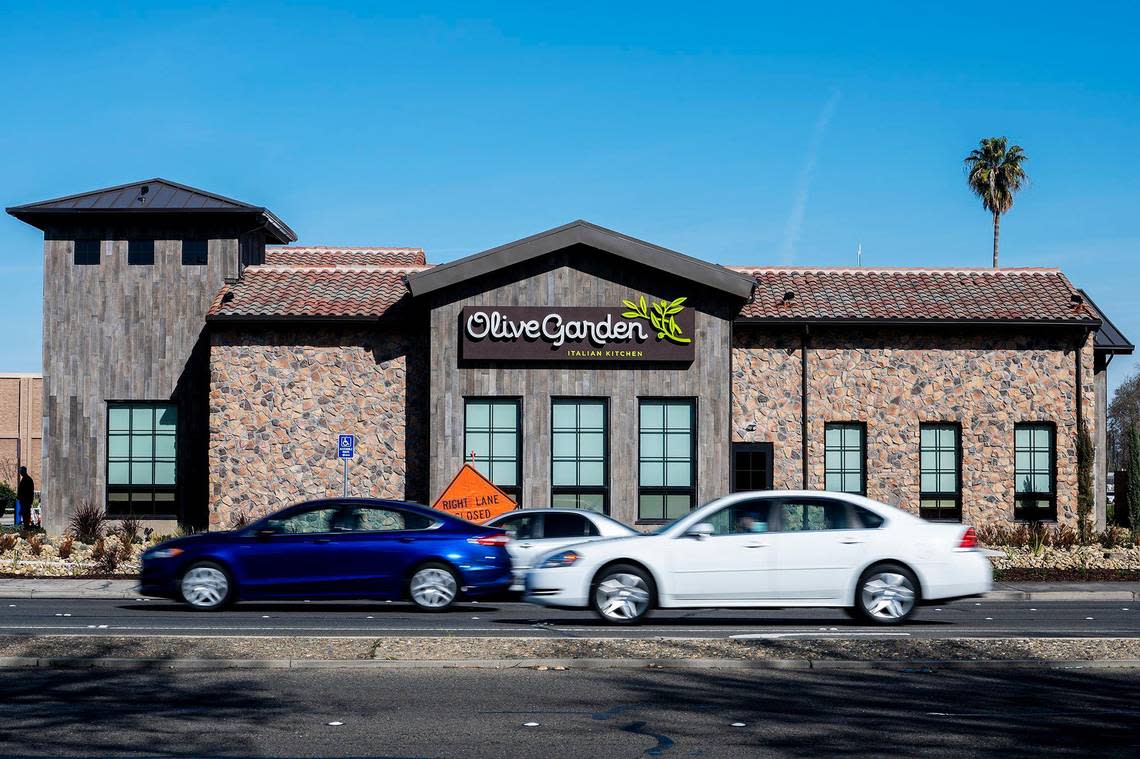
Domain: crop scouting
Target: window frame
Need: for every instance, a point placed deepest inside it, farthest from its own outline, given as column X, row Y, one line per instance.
column 114, row 509
column 513, row 491
column 1019, row 514
column 776, row 517
column 862, row 426
column 434, row 522
column 87, row 257
column 666, row 490
column 579, row 490
column 752, row 447
column 956, row 496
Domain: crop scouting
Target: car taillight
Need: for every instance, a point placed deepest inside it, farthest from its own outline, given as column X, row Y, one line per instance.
column 490, row 540
column 969, row 539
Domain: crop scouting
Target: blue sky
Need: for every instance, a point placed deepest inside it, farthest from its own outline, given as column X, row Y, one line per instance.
column 744, row 134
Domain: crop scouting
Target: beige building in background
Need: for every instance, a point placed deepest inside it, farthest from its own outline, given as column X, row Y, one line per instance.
column 21, row 425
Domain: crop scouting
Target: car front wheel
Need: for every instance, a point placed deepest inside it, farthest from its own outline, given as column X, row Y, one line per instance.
column 207, row 586
column 622, row 595
column 887, row 594
column 433, row 587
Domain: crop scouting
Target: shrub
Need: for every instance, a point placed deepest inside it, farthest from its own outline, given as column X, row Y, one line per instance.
column 99, row 549
column 7, row 542
column 130, row 529
column 1134, row 481
column 107, row 562
column 65, row 546
column 7, row 497
column 1115, row 537
column 125, row 551
column 36, row 543
column 1064, row 537
column 87, row 522
column 1085, row 496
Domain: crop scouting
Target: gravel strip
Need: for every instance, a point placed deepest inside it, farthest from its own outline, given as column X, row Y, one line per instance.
column 485, row 649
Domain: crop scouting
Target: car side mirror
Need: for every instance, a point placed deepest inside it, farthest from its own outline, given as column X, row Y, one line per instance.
column 700, row 531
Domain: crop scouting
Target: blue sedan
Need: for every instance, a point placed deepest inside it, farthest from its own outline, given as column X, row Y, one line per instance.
column 334, row 549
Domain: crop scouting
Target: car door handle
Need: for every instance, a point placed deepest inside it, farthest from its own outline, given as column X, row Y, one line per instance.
column 322, row 540
column 525, row 545
column 755, row 545
column 406, row 539
column 850, row 541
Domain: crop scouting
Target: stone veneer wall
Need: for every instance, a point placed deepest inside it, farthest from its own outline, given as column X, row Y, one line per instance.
column 893, row 379
column 278, row 398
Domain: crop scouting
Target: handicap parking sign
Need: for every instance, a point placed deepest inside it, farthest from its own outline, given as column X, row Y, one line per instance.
column 345, row 446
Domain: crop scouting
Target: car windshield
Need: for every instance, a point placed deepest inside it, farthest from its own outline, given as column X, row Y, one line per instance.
column 668, row 525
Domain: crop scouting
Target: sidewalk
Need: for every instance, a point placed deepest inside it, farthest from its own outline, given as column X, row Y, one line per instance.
column 70, row 587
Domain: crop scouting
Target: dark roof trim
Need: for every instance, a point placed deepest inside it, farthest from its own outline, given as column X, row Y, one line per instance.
column 1108, row 339
column 584, row 233
column 107, row 201
column 760, row 321
column 247, row 318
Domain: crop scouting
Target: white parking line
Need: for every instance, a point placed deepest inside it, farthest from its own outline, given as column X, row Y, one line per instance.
column 777, row 636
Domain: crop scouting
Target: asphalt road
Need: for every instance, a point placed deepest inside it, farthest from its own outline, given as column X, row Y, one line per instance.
column 527, row 713
column 157, row 617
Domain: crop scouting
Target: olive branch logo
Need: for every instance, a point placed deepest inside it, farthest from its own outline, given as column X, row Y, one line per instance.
column 661, row 317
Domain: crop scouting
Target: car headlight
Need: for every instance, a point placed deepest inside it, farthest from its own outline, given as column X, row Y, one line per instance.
column 163, row 553
column 562, row 559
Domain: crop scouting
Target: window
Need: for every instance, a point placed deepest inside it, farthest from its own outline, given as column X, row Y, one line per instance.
column 195, row 252
column 380, row 519
column 751, row 466
column 811, row 515
column 140, row 252
column 87, row 252
column 491, row 438
column 940, row 491
column 742, row 518
column 845, row 452
column 666, row 459
column 557, row 525
column 142, row 443
column 1035, row 458
column 520, row 527
column 308, row 521
column 866, row 518
column 578, row 473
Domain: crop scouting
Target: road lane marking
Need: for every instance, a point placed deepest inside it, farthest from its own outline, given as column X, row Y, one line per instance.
column 778, row 636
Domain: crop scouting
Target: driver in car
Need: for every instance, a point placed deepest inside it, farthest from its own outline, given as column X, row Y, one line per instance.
column 749, row 522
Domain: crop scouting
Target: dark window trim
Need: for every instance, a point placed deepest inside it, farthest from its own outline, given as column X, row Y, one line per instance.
column 1018, row 510
column 514, row 492
column 152, row 489
column 134, row 255
column 956, row 496
column 862, row 453
column 751, row 447
column 691, row 491
column 434, row 522
column 87, row 257
column 579, row 489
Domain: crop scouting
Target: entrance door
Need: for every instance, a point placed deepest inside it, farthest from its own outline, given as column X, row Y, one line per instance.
column 751, row 466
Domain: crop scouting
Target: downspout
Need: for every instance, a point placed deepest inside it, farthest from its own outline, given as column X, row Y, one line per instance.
column 804, row 406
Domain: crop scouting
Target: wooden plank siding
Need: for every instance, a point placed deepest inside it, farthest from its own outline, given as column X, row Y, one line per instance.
column 580, row 276
column 126, row 332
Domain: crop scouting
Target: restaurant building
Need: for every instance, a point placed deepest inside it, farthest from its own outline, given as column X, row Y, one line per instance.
column 199, row 367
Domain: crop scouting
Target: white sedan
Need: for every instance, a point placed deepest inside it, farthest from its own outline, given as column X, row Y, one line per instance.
column 534, row 532
column 771, row 549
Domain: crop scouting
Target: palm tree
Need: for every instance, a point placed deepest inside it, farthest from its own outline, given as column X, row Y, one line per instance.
column 994, row 175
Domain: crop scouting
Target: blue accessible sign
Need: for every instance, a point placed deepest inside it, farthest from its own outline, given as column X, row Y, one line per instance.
column 345, row 446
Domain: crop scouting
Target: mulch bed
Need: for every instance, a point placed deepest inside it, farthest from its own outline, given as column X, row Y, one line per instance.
column 14, row 576
column 1043, row 574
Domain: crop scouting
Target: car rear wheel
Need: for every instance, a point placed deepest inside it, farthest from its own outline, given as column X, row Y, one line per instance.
column 433, row 587
column 887, row 594
column 207, row 586
column 622, row 595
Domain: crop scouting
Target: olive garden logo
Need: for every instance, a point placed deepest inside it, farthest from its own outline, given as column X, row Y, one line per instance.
column 541, row 333
column 662, row 317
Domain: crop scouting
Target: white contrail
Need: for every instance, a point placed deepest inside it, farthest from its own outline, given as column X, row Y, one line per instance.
column 803, row 186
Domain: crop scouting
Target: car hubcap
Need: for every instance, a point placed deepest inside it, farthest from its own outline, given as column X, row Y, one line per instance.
column 622, row 596
column 205, row 586
column 433, row 587
column 888, row 595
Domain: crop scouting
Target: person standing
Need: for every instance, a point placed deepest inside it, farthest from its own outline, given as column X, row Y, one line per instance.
column 25, row 494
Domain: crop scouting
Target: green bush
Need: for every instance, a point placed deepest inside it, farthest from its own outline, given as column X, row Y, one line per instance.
column 7, row 497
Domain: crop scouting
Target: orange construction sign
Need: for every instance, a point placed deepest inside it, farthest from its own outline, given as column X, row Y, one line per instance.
column 473, row 497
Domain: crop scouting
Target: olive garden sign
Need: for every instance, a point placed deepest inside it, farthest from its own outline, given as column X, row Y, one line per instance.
column 638, row 330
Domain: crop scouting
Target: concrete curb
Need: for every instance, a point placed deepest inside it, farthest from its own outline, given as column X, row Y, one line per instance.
column 16, row 662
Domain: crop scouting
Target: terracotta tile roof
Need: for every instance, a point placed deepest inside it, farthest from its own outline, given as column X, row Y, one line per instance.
column 324, row 255
column 314, row 291
column 855, row 293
